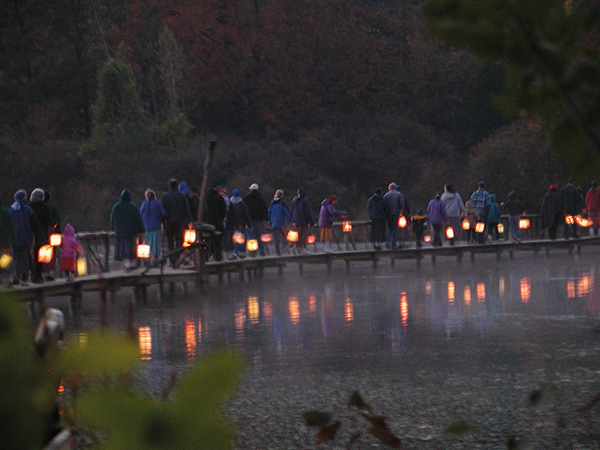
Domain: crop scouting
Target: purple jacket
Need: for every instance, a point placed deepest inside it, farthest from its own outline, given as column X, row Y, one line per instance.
column 327, row 213
column 301, row 211
column 436, row 212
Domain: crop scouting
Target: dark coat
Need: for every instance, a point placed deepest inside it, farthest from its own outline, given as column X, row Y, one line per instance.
column 24, row 222
column 177, row 206
column 572, row 199
column 257, row 206
column 44, row 218
column 7, row 233
column 215, row 211
column 376, row 207
column 552, row 208
column 301, row 211
column 125, row 218
column 238, row 215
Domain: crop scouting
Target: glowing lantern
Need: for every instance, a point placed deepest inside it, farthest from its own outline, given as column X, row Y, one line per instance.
column 267, row 237
column 450, row 233
column 238, row 237
column 500, row 228
column 292, row 236
column 5, row 261
column 55, row 239
column 479, row 227
column 311, row 239
column 402, row 222
column 465, row 224
column 524, row 224
column 252, row 245
column 143, row 251
column 569, row 219
column 81, row 266
column 45, row 254
column 189, row 237
column 582, row 222
column 427, row 238
column 347, row 226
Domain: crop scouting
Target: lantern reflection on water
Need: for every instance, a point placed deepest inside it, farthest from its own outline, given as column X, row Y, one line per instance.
column 525, row 288
column 45, row 254
column 55, row 239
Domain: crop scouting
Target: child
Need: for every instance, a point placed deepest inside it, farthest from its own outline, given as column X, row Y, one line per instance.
column 514, row 208
column 494, row 218
column 473, row 218
column 70, row 247
column 419, row 225
column 326, row 215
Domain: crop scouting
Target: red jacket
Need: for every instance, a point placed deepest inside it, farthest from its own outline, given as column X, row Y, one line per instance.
column 592, row 200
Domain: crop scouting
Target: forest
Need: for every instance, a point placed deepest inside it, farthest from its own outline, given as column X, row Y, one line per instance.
column 338, row 96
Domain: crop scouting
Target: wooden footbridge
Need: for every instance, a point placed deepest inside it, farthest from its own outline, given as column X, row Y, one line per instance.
column 108, row 283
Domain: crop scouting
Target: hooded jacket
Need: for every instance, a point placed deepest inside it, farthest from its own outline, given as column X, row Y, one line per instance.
column 494, row 212
column 152, row 212
column 376, row 207
column 257, row 206
column 177, row 207
column 238, row 215
column 70, row 245
column 327, row 213
column 279, row 213
column 23, row 221
column 436, row 212
column 301, row 211
column 125, row 218
column 454, row 204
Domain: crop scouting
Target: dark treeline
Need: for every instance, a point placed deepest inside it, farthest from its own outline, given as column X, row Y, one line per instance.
column 340, row 96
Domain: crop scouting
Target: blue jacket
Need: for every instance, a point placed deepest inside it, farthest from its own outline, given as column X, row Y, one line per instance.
column 278, row 213
column 494, row 212
column 393, row 202
column 21, row 216
column 152, row 212
column 436, row 212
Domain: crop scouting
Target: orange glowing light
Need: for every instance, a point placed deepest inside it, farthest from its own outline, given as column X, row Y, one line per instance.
column 312, row 304
column 427, row 238
column 292, row 236
column 252, row 245
column 145, row 342
column 402, row 222
column 450, row 233
column 348, row 310
column 451, row 291
column 55, row 239
column 239, row 320
column 480, row 292
column 253, row 310
column 524, row 224
column 585, row 285
column 294, row 308
column 311, row 239
column 583, row 222
column 143, row 251
column 428, row 287
column 571, row 292
column 479, row 227
column 267, row 312
column 45, row 254
column 467, row 295
column 81, row 266
column 347, row 226
column 404, row 309
column 525, row 290
column 5, row 261
column 465, row 224
column 500, row 228
column 191, row 342
column 569, row 219
column 189, row 237
column 267, row 237
column 238, row 237
column 501, row 286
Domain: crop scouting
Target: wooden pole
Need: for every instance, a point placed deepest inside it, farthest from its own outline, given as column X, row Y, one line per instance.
column 207, row 162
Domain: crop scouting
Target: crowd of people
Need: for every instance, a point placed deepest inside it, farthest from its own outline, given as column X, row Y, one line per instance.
column 26, row 225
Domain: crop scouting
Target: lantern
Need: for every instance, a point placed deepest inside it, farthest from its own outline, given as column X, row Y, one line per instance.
column 238, row 237
column 524, row 224
column 55, row 239
column 427, row 238
column 5, row 261
column 267, row 237
column 143, row 251
column 500, row 228
column 252, row 245
column 311, row 239
column 346, row 226
column 450, row 233
column 465, row 224
column 402, row 222
column 569, row 219
column 189, row 237
column 583, row 222
column 81, row 266
column 479, row 227
column 292, row 236
column 45, row 254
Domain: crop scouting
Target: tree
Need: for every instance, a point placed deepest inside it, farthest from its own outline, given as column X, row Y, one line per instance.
column 553, row 63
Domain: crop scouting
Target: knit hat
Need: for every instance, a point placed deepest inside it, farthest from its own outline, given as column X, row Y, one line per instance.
column 301, row 191
column 253, row 187
column 20, row 194
column 235, row 193
column 553, row 187
column 183, row 188
column 378, row 191
column 332, row 198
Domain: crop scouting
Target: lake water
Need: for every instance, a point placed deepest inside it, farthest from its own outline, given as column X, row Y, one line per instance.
column 426, row 347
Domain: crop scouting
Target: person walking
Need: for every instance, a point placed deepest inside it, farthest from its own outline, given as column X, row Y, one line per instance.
column 178, row 217
column 70, row 247
column 238, row 219
column 592, row 204
column 257, row 206
column 302, row 218
column 214, row 214
column 327, row 212
column 126, row 222
column 455, row 209
column 480, row 199
column 552, row 211
column 514, row 208
column 574, row 204
column 494, row 217
column 419, row 225
column 437, row 216
column 279, row 215
column 376, row 209
column 152, row 212
column 393, row 202
column 24, row 223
